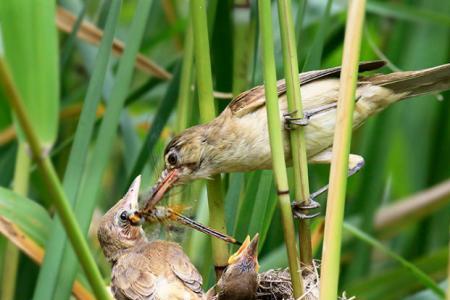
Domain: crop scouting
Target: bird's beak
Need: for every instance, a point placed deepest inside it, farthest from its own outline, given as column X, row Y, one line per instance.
column 252, row 248
column 163, row 185
column 132, row 195
column 248, row 251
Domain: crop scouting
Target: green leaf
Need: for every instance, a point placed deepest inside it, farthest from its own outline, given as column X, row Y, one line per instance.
column 33, row 221
column 31, row 50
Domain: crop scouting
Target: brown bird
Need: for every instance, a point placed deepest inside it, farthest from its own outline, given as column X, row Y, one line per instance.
column 144, row 270
column 239, row 280
column 238, row 139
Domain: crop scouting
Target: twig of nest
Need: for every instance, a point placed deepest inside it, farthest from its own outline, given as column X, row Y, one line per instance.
column 276, row 284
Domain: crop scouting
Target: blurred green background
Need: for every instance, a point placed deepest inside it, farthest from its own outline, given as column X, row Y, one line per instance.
column 406, row 147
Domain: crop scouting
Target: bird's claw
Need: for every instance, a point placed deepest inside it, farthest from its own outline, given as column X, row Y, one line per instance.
column 290, row 122
column 299, row 207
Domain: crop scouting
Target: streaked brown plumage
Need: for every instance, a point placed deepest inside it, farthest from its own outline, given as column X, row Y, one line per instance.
column 156, row 270
column 238, row 140
column 239, row 281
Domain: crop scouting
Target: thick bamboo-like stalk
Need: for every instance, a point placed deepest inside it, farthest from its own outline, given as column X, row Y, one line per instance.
column 54, row 186
column 276, row 144
column 298, row 144
column 341, row 149
column 207, row 113
column 11, row 257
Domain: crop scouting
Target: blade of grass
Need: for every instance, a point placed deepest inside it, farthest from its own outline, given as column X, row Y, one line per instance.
column 69, row 44
column 416, row 272
column 341, row 149
column 207, row 113
column 91, row 182
column 53, row 184
column 297, row 137
column 48, row 276
column 276, row 144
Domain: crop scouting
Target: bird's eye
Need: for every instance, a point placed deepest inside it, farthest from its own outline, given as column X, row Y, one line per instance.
column 123, row 216
column 172, row 159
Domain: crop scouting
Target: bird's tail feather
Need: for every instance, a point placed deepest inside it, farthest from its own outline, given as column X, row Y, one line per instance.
column 415, row 83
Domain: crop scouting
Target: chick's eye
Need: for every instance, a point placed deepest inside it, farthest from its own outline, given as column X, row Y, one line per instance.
column 172, row 159
column 123, row 216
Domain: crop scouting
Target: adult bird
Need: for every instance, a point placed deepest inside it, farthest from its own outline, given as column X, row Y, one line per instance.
column 142, row 269
column 239, row 280
column 238, row 139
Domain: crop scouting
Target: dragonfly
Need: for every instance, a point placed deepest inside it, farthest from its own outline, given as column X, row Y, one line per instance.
column 164, row 214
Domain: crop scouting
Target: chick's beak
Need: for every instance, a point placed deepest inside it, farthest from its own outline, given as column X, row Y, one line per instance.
column 252, row 249
column 248, row 251
column 132, row 195
column 163, row 185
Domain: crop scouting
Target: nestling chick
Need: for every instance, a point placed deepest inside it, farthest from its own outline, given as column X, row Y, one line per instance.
column 144, row 270
column 239, row 281
column 238, row 139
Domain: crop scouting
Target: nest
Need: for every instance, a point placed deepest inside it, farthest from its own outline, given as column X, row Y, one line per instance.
column 276, row 284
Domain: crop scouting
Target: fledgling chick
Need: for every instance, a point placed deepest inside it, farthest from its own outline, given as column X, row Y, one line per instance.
column 238, row 139
column 239, row 281
column 144, row 270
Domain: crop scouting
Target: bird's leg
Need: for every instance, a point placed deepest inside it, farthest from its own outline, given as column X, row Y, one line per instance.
column 290, row 122
column 355, row 163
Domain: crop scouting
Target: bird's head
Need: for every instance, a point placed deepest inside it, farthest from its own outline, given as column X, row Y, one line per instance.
column 115, row 232
column 187, row 157
column 245, row 260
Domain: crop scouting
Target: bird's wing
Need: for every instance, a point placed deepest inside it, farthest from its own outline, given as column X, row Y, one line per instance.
column 132, row 278
column 184, row 270
column 254, row 98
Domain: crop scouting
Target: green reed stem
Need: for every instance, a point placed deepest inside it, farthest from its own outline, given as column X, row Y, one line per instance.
column 298, row 144
column 207, row 113
column 341, row 149
column 276, row 144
